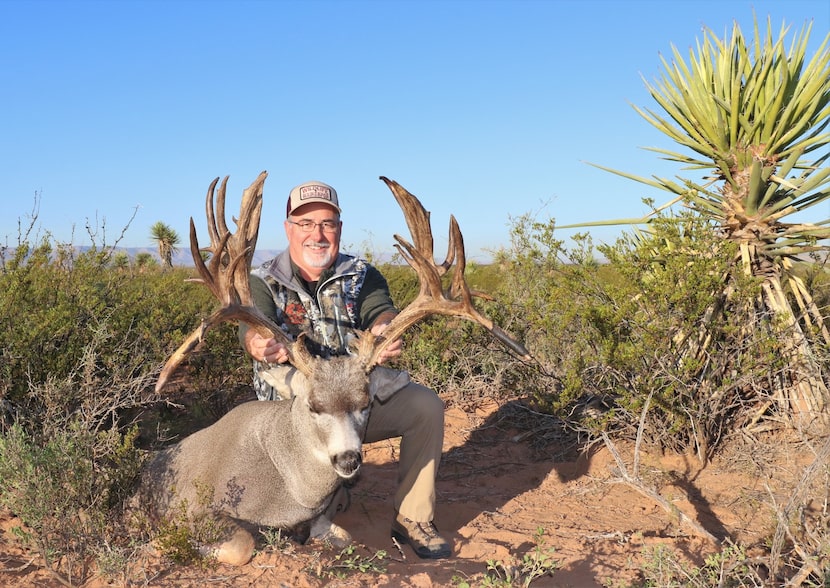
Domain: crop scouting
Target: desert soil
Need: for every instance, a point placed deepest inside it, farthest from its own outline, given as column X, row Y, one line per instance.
column 499, row 482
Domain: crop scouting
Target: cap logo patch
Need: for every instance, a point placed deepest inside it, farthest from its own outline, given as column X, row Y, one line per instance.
column 315, row 191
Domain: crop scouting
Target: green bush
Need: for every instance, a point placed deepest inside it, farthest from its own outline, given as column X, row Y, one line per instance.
column 82, row 340
column 58, row 302
column 64, row 488
column 639, row 328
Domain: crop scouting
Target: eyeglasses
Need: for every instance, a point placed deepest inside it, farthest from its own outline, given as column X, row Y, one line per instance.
column 306, row 226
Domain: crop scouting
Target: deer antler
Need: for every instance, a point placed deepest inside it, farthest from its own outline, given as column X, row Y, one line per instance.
column 227, row 274
column 431, row 298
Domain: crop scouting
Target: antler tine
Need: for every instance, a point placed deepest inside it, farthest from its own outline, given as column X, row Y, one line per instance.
column 417, row 220
column 452, row 246
column 227, row 273
column 430, row 280
column 212, row 275
column 213, row 231
column 431, row 298
column 458, row 286
column 219, row 218
column 206, row 275
column 245, row 239
column 416, row 216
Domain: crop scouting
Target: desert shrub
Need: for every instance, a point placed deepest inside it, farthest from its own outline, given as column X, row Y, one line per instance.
column 642, row 325
column 728, row 568
column 81, row 343
column 459, row 360
column 704, row 370
column 65, row 487
column 545, row 290
column 56, row 301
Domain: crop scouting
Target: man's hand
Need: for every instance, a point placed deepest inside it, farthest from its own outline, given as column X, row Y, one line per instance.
column 265, row 349
column 393, row 350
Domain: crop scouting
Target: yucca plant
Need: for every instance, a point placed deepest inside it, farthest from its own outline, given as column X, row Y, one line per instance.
column 752, row 119
column 166, row 239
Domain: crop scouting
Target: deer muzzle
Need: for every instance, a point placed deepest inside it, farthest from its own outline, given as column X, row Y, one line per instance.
column 346, row 463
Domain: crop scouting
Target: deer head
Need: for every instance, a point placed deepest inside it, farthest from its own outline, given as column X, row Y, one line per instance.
column 227, row 276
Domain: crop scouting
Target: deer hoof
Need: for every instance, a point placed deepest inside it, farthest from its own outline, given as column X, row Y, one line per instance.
column 236, row 551
column 324, row 530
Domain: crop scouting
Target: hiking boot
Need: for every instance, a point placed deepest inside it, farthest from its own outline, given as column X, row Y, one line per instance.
column 422, row 537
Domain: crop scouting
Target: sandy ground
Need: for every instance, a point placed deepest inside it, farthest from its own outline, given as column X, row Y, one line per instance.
column 495, row 490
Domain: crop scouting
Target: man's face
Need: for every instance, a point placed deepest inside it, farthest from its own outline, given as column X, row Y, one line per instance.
column 317, row 249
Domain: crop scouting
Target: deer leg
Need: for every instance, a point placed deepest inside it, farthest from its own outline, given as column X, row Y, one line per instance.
column 324, row 529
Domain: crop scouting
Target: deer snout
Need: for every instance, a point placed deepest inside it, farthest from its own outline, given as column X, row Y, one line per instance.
column 346, row 463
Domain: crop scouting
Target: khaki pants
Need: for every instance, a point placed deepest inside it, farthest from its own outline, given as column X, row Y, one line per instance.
column 401, row 408
column 416, row 414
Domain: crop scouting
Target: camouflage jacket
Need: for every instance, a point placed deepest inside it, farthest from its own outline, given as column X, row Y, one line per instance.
column 349, row 296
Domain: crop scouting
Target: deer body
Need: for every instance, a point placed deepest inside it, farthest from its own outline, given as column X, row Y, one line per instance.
column 275, row 464
column 280, row 463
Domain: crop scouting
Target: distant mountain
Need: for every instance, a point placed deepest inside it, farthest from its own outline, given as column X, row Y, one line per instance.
column 183, row 258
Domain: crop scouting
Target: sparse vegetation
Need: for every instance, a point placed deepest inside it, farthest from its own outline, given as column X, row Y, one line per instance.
column 536, row 564
column 613, row 322
column 185, row 535
column 349, row 561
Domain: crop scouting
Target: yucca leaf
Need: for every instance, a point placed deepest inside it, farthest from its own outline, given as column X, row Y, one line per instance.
column 749, row 113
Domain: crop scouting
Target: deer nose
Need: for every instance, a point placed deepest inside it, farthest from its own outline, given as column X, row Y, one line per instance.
column 347, row 463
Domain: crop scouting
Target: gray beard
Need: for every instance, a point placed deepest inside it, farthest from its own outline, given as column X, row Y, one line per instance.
column 317, row 262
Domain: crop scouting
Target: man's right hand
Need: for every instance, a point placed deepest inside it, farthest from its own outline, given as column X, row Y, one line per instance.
column 266, row 349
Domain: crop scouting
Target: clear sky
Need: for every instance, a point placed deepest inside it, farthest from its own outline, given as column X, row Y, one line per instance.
column 488, row 110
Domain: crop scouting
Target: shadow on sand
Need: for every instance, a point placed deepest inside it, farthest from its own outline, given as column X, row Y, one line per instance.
column 480, row 509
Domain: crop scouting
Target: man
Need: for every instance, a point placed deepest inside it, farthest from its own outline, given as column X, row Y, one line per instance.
column 311, row 287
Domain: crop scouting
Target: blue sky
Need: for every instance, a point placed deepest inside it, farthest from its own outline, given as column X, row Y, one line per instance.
column 488, row 110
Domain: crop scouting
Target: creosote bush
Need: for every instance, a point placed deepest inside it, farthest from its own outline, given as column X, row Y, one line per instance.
column 648, row 322
column 82, row 338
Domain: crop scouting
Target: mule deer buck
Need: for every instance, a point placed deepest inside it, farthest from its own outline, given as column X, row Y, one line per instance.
column 279, row 464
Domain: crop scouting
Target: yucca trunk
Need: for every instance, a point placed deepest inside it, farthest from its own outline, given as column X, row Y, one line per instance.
column 800, row 391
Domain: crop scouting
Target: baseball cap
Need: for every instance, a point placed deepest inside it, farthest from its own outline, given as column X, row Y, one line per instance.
column 311, row 192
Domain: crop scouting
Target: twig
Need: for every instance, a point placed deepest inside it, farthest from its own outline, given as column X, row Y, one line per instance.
column 797, row 499
column 400, row 548
column 638, row 485
column 20, row 568
column 640, row 428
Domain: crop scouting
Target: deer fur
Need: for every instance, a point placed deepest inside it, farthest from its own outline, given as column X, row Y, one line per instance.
column 275, row 464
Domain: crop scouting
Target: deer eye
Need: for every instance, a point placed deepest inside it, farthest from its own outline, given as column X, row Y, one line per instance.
column 313, row 408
